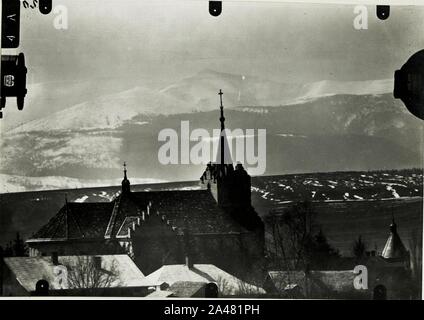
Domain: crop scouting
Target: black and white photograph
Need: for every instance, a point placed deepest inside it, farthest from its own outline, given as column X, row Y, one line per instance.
column 205, row 149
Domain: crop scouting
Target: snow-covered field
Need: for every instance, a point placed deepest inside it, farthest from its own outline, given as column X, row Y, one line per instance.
column 340, row 186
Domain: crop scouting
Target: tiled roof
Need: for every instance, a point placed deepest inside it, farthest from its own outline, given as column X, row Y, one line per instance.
column 326, row 281
column 196, row 210
column 186, row 289
column 29, row 270
column 200, row 273
column 77, row 220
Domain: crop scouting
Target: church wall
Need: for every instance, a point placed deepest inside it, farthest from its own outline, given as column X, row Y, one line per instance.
column 396, row 279
column 155, row 248
column 155, row 244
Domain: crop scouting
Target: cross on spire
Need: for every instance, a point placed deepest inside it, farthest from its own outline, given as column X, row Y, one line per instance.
column 125, row 181
column 222, row 118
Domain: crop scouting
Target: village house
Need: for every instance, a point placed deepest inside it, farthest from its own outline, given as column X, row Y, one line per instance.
column 106, row 275
column 198, row 280
column 388, row 277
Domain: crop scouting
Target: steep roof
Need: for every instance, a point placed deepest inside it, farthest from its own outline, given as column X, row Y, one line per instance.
column 29, row 270
column 196, row 210
column 394, row 248
column 77, row 220
column 200, row 273
column 186, row 289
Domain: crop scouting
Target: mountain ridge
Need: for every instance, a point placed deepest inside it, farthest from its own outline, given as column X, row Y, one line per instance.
column 191, row 94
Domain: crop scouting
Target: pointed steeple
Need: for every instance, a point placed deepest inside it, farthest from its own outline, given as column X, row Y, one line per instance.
column 224, row 155
column 222, row 118
column 125, row 182
column 394, row 250
column 393, row 226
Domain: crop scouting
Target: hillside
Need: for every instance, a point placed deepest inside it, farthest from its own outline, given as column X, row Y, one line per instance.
column 335, row 133
column 322, row 126
column 349, row 204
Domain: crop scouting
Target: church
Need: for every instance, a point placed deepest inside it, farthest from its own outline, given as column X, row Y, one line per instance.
column 216, row 224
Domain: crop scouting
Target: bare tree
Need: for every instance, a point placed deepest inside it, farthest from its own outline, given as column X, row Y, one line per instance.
column 359, row 248
column 298, row 244
column 87, row 273
column 292, row 235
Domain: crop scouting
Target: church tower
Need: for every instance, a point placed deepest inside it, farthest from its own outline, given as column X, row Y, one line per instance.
column 231, row 187
column 125, row 182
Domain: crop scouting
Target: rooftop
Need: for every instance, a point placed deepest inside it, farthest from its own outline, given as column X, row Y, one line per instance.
column 324, row 281
column 200, row 273
column 29, row 270
column 196, row 210
column 394, row 249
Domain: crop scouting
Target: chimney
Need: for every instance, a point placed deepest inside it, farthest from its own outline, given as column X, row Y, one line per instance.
column 55, row 258
column 188, row 262
column 97, row 262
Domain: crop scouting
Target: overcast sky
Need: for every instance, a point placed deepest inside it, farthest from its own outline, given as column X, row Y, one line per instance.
column 130, row 39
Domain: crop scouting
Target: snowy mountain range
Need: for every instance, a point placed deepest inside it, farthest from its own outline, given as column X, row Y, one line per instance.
column 323, row 126
column 87, row 106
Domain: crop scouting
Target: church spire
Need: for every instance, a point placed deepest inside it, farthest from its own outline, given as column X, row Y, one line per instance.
column 125, row 181
column 222, row 118
column 393, row 226
column 224, row 155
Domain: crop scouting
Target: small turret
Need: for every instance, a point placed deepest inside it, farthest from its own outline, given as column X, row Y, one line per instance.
column 394, row 250
column 125, row 182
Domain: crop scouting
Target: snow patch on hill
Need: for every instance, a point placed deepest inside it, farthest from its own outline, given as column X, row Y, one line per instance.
column 104, row 112
column 330, row 88
column 191, row 94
